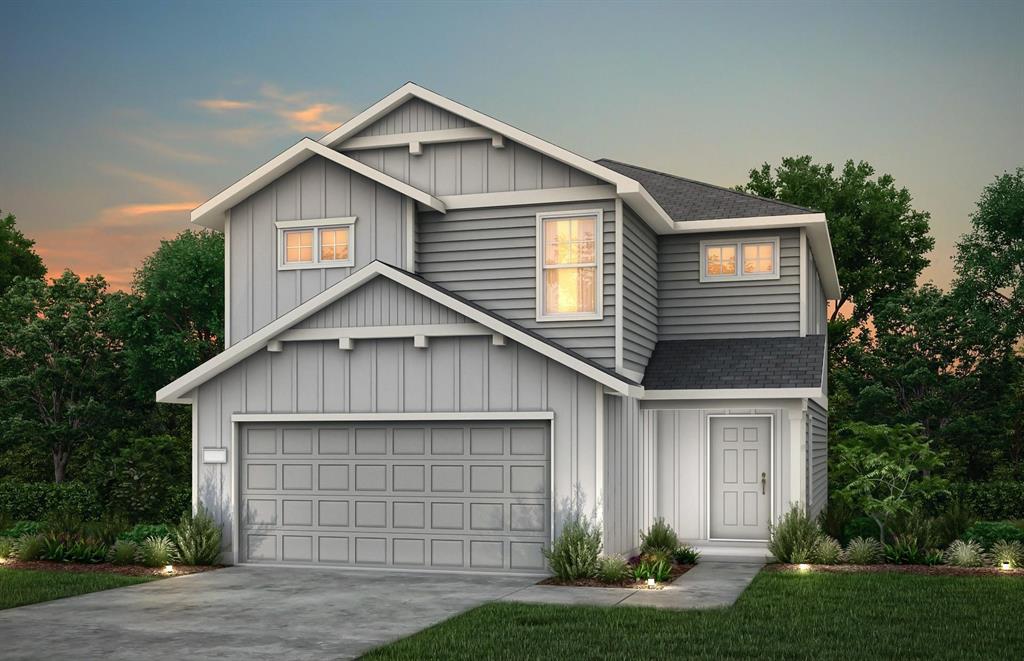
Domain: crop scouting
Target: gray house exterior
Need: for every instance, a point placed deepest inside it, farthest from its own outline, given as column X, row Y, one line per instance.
column 444, row 335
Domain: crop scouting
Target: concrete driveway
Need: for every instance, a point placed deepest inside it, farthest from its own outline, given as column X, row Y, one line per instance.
column 246, row 613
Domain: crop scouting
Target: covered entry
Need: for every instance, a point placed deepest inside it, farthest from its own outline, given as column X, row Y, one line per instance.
column 449, row 495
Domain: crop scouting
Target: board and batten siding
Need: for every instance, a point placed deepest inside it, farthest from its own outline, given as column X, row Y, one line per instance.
column 640, row 291
column 817, row 457
column 690, row 309
column 628, row 501
column 489, row 256
column 413, row 116
column 382, row 302
column 817, row 304
column 455, row 374
column 316, row 189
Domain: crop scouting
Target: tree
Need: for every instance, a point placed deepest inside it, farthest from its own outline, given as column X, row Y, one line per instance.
column 990, row 262
column 878, row 238
column 59, row 364
column 17, row 259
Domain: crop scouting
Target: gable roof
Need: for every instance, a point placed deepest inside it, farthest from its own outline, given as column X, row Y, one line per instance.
column 211, row 213
column 178, row 390
column 759, row 362
column 688, row 200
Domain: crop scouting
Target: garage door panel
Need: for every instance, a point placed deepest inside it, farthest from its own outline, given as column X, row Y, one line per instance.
column 471, row 496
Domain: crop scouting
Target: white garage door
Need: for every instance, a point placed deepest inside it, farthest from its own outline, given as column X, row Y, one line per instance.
column 448, row 496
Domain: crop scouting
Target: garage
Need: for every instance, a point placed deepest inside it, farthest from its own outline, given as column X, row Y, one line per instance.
column 449, row 495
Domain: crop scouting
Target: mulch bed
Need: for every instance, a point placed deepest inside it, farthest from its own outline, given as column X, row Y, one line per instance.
column 677, row 571
column 105, row 568
column 926, row 570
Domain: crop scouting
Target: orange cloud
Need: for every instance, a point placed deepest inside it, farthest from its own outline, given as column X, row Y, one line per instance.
column 312, row 118
column 223, row 105
column 302, row 112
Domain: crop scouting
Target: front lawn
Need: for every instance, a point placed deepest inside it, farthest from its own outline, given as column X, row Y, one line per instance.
column 20, row 587
column 782, row 615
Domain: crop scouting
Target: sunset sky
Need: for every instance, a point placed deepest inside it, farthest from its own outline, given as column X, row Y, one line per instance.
column 117, row 119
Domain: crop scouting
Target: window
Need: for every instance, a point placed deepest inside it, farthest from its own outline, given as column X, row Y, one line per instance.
column 569, row 265
column 743, row 259
column 315, row 243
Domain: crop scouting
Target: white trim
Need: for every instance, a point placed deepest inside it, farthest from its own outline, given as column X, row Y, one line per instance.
column 420, row 137
column 176, row 391
column 314, row 222
column 195, row 450
column 803, row 282
column 771, row 468
column 733, row 393
column 394, row 570
column 227, row 281
column 483, row 416
column 528, row 197
column 317, row 263
column 410, row 236
column 620, row 279
column 382, row 332
column 599, row 450
column 598, row 265
column 739, row 243
column 797, row 455
column 211, row 213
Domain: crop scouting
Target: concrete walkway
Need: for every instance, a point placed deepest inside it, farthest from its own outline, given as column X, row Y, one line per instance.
column 708, row 585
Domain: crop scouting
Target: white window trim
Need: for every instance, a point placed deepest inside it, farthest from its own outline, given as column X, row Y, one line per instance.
column 738, row 244
column 314, row 226
column 598, row 313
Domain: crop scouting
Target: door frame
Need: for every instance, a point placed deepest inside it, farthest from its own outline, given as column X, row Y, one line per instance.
column 771, row 471
column 235, row 459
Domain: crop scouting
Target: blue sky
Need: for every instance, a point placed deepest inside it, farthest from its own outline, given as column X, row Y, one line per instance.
column 116, row 118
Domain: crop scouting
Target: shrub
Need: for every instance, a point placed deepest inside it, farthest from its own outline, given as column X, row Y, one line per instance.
column 659, row 570
column 987, row 533
column 934, row 557
column 613, row 569
column 863, row 551
column 827, row 551
column 686, row 555
column 860, row 526
column 659, row 537
column 34, row 501
column 905, row 550
column 29, row 547
column 1011, row 552
column 6, row 547
column 995, row 500
column 965, row 554
column 794, row 538
column 140, row 532
column 123, row 552
column 197, row 538
column 157, row 551
column 953, row 522
column 574, row 555
column 23, row 528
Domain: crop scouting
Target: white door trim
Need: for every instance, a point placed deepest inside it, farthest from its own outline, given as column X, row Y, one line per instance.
column 707, row 469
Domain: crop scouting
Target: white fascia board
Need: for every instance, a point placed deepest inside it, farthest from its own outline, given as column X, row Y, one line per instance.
column 734, row 393
column 211, row 213
column 177, row 391
column 385, row 417
column 382, row 332
column 529, row 197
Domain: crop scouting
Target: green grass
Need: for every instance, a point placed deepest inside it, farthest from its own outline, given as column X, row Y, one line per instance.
column 780, row 616
column 19, row 587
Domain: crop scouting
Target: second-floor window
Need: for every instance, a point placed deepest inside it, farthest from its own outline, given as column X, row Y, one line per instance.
column 318, row 244
column 743, row 259
column 569, row 265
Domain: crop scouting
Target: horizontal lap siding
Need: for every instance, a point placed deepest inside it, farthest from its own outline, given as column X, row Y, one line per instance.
column 316, row 189
column 817, row 450
column 382, row 302
column 690, row 309
column 640, row 291
column 489, row 256
column 630, row 461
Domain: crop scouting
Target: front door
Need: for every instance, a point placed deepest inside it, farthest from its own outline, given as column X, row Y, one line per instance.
column 741, row 477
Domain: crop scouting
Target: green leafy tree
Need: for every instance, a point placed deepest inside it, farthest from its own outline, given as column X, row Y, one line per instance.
column 17, row 259
column 885, row 471
column 879, row 239
column 58, row 364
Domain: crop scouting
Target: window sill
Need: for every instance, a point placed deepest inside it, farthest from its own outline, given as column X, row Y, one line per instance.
column 315, row 265
column 591, row 316
column 739, row 278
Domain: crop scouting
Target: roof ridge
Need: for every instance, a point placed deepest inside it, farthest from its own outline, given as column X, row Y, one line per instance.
column 706, row 184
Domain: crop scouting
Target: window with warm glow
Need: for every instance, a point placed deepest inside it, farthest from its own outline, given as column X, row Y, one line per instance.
column 298, row 247
column 334, row 244
column 739, row 260
column 569, row 265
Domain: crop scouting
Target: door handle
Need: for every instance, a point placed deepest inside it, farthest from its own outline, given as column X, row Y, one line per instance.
column 764, row 480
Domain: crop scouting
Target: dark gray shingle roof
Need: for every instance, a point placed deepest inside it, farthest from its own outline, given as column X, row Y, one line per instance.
column 762, row 362
column 686, row 199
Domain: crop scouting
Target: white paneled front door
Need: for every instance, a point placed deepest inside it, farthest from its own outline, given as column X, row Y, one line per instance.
column 740, row 476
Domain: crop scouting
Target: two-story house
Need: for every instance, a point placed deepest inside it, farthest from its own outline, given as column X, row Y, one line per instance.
column 443, row 334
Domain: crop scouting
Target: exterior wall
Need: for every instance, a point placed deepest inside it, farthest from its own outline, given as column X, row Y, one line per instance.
column 259, row 292
column 473, row 166
column 681, row 445
column 466, row 374
column 382, row 302
column 817, row 457
column 640, row 291
column 489, row 256
column 690, row 309
column 629, row 503
column 817, row 304
column 415, row 115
